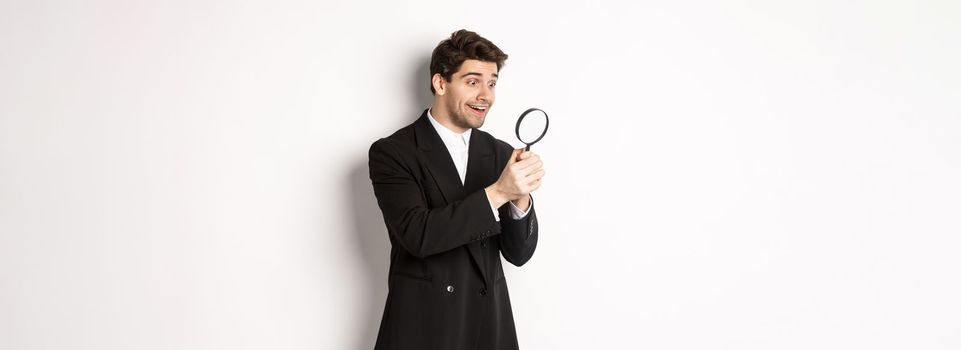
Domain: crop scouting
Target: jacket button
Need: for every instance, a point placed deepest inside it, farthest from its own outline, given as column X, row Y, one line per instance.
column 450, row 289
column 483, row 292
column 484, row 244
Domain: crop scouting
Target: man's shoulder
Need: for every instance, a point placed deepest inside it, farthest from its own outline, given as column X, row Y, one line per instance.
column 403, row 135
column 401, row 140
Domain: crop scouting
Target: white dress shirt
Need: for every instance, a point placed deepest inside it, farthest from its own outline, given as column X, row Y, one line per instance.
column 457, row 145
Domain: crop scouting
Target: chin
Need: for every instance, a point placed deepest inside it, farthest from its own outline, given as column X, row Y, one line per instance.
column 474, row 122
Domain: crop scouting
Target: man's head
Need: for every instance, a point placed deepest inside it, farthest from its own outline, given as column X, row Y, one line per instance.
column 463, row 71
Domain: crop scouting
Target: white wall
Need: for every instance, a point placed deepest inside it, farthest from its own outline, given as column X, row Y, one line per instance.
column 746, row 175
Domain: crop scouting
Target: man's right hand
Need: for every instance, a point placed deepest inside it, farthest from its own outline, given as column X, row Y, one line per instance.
column 521, row 176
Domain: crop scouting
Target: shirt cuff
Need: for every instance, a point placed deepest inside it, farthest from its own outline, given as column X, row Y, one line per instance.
column 497, row 216
column 516, row 212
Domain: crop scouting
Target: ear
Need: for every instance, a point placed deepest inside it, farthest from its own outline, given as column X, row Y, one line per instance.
column 439, row 83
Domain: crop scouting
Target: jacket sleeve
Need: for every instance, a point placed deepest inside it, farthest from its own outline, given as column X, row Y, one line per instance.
column 419, row 230
column 518, row 237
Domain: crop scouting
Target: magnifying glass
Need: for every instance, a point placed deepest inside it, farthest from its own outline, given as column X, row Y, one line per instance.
column 531, row 127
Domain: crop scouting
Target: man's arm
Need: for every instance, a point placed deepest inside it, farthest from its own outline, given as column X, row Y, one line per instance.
column 521, row 175
column 419, row 230
column 518, row 235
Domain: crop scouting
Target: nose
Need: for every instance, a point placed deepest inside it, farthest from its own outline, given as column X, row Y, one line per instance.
column 486, row 94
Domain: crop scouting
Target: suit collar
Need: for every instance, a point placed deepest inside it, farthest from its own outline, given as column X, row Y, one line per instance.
column 428, row 139
column 439, row 163
column 442, row 168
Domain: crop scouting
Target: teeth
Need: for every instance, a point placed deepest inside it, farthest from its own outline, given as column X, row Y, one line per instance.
column 478, row 107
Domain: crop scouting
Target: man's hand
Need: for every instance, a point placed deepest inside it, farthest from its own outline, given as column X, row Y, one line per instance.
column 521, row 176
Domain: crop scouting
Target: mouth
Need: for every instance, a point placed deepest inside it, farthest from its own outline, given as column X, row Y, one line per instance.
column 479, row 110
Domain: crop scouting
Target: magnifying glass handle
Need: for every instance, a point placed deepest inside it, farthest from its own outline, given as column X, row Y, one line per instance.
column 528, row 148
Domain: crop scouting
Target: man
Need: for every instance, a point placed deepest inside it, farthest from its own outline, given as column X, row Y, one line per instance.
column 454, row 199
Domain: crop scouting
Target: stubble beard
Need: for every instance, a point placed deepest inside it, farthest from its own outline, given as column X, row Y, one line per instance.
column 464, row 121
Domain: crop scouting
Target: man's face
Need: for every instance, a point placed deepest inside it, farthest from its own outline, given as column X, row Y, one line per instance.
column 470, row 93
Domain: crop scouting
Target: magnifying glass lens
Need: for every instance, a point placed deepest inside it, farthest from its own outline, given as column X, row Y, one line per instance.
column 532, row 127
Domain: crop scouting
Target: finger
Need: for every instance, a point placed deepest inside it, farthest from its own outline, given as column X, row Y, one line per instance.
column 530, row 184
column 537, row 184
column 530, row 160
column 530, row 168
column 515, row 155
column 533, row 186
column 529, row 172
column 535, row 176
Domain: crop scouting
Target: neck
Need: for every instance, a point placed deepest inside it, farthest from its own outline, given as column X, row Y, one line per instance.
column 442, row 116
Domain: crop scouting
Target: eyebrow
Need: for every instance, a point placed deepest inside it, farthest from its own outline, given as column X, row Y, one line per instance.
column 477, row 74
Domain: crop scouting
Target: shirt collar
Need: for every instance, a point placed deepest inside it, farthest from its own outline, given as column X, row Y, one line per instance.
column 450, row 138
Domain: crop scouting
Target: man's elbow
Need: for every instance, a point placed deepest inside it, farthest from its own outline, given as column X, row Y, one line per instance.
column 518, row 262
column 520, row 258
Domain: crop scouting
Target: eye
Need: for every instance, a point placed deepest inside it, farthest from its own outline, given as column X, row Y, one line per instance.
column 493, row 84
column 472, row 82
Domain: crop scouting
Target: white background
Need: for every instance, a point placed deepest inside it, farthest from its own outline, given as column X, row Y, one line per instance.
column 736, row 175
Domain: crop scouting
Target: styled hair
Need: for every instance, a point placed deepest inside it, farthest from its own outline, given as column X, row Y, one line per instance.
column 462, row 45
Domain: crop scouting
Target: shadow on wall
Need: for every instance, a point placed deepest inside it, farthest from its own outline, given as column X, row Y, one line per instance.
column 370, row 233
column 370, row 236
column 420, row 83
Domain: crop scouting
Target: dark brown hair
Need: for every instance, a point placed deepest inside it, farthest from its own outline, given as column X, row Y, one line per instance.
column 461, row 46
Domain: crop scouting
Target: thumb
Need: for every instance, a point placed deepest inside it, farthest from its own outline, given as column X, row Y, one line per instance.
column 516, row 155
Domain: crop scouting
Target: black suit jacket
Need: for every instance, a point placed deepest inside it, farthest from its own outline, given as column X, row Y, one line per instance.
column 446, row 283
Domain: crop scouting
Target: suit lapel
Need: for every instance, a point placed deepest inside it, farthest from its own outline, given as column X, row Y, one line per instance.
column 480, row 167
column 480, row 170
column 439, row 163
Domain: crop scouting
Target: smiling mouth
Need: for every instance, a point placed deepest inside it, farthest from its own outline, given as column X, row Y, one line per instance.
column 480, row 109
